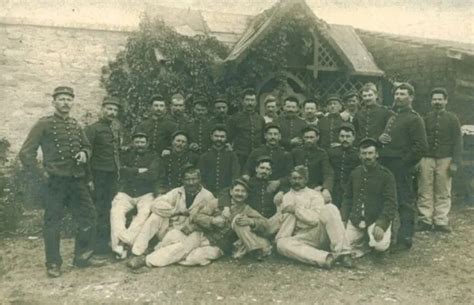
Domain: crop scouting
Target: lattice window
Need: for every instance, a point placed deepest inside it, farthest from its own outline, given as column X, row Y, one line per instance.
column 327, row 58
column 338, row 86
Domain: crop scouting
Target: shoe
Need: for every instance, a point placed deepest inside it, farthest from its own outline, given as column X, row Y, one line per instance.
column 347, row 261
column 53, row 271
column 423, row 227
column 402, row 246
column 136, row 262
column 93, row 261
column 263, row 253
column 443, row 228
column 379, row 256
column 330, row 261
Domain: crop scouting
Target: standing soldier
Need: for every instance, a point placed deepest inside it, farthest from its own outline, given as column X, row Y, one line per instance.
column 344, row 158
column 329, row 125
column 290, row 124
column 105, row 138
column 351, row 106
column 404, row 144
column 172, row 164
column 219, row 166
column 65, row 152
column 199, row 128
column 310, row 112
column 439, row 164
column 220, row 110
column 178, row 111
column 246, row 127
column 271, row 108
column 371, row 120
column 158, row 127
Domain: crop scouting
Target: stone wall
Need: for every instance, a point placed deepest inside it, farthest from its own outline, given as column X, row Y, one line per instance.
column 35, row 59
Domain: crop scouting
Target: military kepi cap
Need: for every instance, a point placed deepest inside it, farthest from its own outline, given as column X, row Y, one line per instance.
column 139, row 134
column 369, row 142
column 110, row 100
column 63, row 90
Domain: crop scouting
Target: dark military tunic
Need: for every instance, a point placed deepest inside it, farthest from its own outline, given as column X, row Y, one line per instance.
column 317, row 161
column 329, row 127
column 171, row 169
column 159, row 131
column 105, row 138
column 290, row 128
column 370, row 197
column 199, row 132
column 219, row 167
column 260, row 199
column 245, row 132
column 181, row 122
column 218, row 121
column 60, row 140
column 343, row 161
column 132, row 182
column 282, row 161
column 443, row 132
column 370, row 121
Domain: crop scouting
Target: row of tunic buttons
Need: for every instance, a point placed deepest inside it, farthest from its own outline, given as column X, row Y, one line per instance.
column 56, row 140
column 218, row 169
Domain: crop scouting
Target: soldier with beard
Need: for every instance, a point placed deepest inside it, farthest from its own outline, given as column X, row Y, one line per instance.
column 220, row 110
column 178, row 112
column 343, row 158
column 219, row 166
column 199, row 128
column 105, row 137
column 246, row 127
column 369, row 204
column 158, row 127
column 290, row 124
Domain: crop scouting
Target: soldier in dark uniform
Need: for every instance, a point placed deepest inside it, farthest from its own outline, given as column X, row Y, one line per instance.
column 370, row 203
column 310, row 112
column 199, row 128
column 351, row 106
column 105, row 137
column 321, row 174
column 329, row 125
column 290, row 124
column 246, row 127
column 158, row 127
column 281, row 159
column 138, row 174
column 178, row 112
column 404, row 143
column 65, row 153
column 344, row 158
column 219, row 166
column 172, row 164
column 220, row 110
column 372, row 118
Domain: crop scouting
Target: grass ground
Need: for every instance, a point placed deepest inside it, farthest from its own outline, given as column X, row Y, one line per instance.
column 438, row 270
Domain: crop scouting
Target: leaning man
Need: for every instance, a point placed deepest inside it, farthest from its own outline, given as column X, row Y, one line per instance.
column 65, row 153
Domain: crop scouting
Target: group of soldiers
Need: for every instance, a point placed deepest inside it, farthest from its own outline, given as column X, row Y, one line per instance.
column 321, row 183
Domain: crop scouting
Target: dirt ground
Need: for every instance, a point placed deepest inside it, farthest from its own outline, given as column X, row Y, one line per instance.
column 438, row 270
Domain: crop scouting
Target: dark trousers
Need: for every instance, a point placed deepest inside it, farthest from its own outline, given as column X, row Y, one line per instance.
column 71, row 192
column 337, row 194
column 105, row 189
column 406, row 198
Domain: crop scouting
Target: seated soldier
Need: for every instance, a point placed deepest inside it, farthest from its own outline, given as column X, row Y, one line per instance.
column 312, row 232
column 171, row 211
column 137, row 179
column 369, row 204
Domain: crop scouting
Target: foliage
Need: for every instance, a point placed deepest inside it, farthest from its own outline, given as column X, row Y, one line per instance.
column 157, row 60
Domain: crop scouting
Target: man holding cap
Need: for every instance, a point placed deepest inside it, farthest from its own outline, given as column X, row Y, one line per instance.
column 66, row 151
column 329, row 125
column 351, row 105
column 271, row 108
column 291, row 124
column 199, row 128
column 138, row 174
column 370, row 203
column 105, row 136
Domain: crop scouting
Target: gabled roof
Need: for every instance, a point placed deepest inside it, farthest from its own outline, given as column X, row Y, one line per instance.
column 343, row 39
column 462, row 47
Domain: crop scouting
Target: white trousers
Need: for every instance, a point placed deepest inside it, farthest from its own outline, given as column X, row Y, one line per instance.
column 121, row 205
column 362, row 241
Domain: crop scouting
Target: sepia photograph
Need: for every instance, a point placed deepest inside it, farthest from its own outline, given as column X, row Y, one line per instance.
column 236, row 152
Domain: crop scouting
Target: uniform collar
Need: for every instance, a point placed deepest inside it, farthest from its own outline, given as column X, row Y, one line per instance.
column 64, row 118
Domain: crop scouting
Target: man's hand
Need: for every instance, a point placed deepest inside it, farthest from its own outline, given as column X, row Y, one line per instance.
column 218, row 221
column 273, row 186
column 244, row 221
column 453, row 169
column 142, row 170
column 91, row 186
column 226, row 213
column 228, row 147
column 296, row 141
column 290, row 209
column 81, row 157
column 385, row 138
column 335, row 144
column 165, row 152
column 378, row 233
column 246, row 177
column 327, row 196
column 318, row 188
column 45, row 175
column 194, row 146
